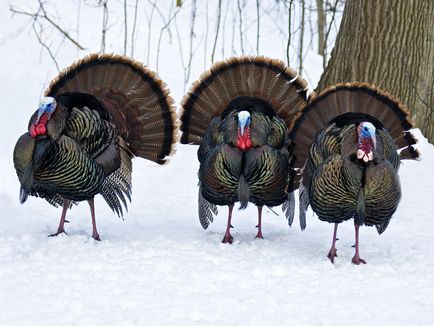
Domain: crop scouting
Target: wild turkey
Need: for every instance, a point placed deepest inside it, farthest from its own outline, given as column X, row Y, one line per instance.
column 238, row 112
column 95, row 117
column 348, row 139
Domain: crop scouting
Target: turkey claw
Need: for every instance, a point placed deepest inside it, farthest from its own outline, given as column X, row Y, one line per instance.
column 332, row 254
column 96, row 237
column 57, row 233
column 358, row 260
column 228, row 239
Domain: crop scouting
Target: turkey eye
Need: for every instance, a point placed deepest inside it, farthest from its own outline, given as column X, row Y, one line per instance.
column 365, row 128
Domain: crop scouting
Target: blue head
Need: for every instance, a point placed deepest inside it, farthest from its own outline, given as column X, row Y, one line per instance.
column 47, row 105
column 367, row 141
column 243, row 121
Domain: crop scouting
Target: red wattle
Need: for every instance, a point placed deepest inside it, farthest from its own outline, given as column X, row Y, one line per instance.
column 244, row 142
column 39, row 129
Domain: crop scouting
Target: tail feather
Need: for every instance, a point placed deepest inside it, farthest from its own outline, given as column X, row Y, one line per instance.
column 359, row 98
column 303, row 205
column 207, row 210
column 288, row 207
column 257, row 77
column 138, row 101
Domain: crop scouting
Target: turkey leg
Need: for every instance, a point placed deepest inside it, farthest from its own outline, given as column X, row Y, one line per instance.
column 356, row 259
column 259, row 226
column 95, row 234
column 228, row 238
column 332, row 253
column 61, row 229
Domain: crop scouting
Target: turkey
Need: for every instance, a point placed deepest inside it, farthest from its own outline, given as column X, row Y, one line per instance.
column 96, row 115
column 238, row 112
column 350, row 140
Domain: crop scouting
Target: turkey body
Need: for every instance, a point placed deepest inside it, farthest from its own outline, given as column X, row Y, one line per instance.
column 346, row 142
column 97, row 115
column 79, row 151
column 341, row 186
column 239, row 112
column 259, row 174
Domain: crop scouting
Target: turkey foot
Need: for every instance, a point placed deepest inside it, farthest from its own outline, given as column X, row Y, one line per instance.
column 332, row 254
column 227, row 238
column 259, row 235
column 57, row 233
column 60, row 229
column 95, row 235
column 357, row 260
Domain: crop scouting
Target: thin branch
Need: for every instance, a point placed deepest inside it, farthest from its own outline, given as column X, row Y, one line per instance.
column 205, row 46
column 45, row 46
column 104, row 25
column 257, row 26
column 288, row 44
column 48, row 19
column 217, row 31
column 333, row 10
column 161, row 34
column 240, row 12
column 190, row 58
column 300, row 66
column 125, row 27
column 134, row 27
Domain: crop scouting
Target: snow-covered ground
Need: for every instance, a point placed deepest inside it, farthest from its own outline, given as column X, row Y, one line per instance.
column 158, row 267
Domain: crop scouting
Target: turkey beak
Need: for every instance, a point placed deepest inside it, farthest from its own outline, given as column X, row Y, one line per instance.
column 41, row 111
column 242, row 125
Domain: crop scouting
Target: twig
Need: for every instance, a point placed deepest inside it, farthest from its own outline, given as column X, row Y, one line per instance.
column 288, row 44
column 104, row 24
column 134, row 27
column 217, row 30
column 161, row 33
column 257, row 27
column 240, row 12
column 125, row 27
column 48, row 19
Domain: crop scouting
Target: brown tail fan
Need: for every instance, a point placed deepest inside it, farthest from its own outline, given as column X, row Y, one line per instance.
column 260, row 77
column 357, row 98
column 137, row 99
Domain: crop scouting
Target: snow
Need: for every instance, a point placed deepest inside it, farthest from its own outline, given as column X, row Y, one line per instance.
column 159, row 267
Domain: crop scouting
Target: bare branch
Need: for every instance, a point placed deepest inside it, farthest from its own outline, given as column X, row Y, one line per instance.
column 219, row 11
column 41, row 13
column 161, row 34
column 288, row 44
column 134, row 27
column 300, row 66
column 125, row 27
column 240, row 12
column 257, row 26
column 104, row 24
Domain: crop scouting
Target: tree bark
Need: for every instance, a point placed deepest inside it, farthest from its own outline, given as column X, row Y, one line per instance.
column 389, row 43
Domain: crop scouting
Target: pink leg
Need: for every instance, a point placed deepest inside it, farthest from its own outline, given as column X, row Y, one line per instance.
column 259, row 226
column 356, row 259
column 61, row 229
column 332, row 253
column 228, row 238
column 95, row 234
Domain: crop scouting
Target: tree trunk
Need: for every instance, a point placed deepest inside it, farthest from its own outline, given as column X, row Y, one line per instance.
column 388, row 43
